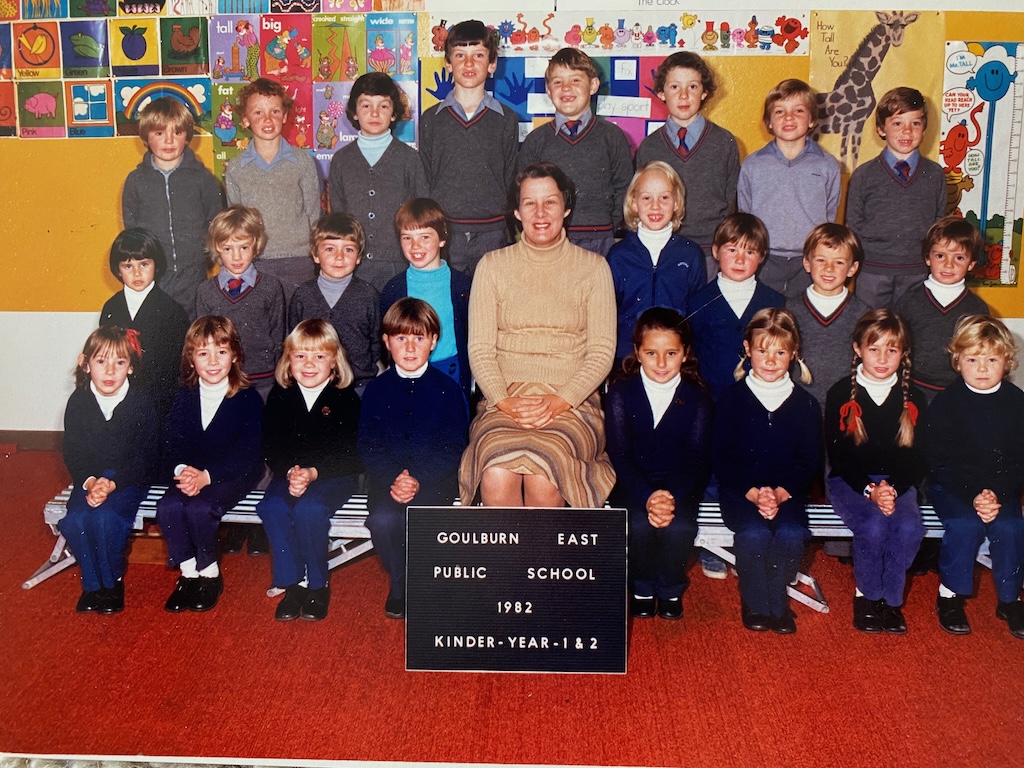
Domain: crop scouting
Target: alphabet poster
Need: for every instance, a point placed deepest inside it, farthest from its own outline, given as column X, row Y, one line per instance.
column 982, row 105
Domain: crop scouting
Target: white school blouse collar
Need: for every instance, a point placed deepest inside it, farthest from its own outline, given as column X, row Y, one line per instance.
column 108, row 403
column 403, row 374
column 310, row 394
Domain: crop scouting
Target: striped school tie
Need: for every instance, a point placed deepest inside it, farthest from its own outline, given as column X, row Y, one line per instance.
column 234, row 287
column 682, row 142
column 903, row 169
column 572, row 126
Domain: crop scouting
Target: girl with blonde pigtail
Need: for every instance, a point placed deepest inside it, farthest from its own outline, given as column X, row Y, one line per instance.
column 876, row 462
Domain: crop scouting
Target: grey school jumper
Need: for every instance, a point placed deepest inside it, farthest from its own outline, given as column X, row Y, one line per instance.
column 709, row 173
column 258, row 314
column 892, row 216
column 598, row 161
column 826, row 343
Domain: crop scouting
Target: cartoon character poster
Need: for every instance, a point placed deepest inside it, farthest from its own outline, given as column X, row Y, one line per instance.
column 92, row 9
column 85, row 49
column 41, row 109
column 298, row 128
column 133, row 47
column 36, row 50
column 184, row 45
column 132, row 95
column 333, row 130
column 391, row 44
column 234, row 48
column 44, row 9
column 337, row 47
column 8, row 109
column 90, row 108
column 287, row 41
column 6, row 61
column 229, row 136
column 980, row 150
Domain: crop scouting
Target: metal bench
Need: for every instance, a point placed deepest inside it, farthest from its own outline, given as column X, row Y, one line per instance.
column 348, row 533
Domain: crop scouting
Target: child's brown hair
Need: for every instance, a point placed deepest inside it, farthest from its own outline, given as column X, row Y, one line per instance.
column 953, row 229
column 375, row 84
column 471, row 32
column 665, row 319
column 836, row 236
column 314, row 335
column 236, row 221
column 166, row 113
column 896, row 101
column 409, row 316
column 109, row 339
column 263, row 86
column 880, row 326
column 685, row 60
column 742, row 227
column 423, row 213
column 221, row 331
column 787, row 89
column 337, row 226
column 780, row 327
column 572, row 58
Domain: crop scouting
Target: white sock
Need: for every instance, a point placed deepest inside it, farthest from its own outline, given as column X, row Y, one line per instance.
column 858, row 593
column 945, row 591
column 211, row 571
column 188, row 569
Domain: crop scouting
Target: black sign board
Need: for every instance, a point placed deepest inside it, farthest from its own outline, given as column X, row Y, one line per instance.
column 516, row 590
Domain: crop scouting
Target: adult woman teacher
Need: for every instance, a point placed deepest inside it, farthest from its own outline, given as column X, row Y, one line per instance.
column 541, row 340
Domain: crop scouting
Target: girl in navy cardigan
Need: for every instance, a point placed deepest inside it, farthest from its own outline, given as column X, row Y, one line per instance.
column 212, row 450
column 110, row 428
column 766, row 453
column 877, row 461
column 653, row 265
column 309, row 443
column 658, row 422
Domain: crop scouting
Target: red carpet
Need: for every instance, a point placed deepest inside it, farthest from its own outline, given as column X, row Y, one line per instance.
column 702, row 691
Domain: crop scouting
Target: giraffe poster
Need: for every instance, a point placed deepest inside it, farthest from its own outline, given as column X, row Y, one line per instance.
column 982, row 104
column 856, row 56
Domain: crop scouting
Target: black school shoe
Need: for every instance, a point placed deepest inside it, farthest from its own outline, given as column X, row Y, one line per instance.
column 258, row 544
column 1013, row 615
column 755, row 622
column 892, row 619
column 88, row 602
column 206, row 593
column 291, row 604
column 234, row 539
column 952, row 616
column 317, row 602
column 670, row 609
column 394, row 607
column 112, row 599
column 867, row 615
column 784, row 624
column 642, row 607
column 182, row 596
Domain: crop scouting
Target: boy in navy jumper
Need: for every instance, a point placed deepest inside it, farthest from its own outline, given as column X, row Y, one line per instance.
column 468, row 144
column 422, row 229
column 172, row 195
column 412, row 431
column 592, row 151
column 893, row 199
column 349, row 303
column 934, row 307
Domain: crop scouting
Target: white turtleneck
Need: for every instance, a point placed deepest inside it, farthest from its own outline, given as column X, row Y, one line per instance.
column 945, row 294
column 654, row 240
column 108, row 403
column 877, row 390
column 771, row 394
column 404, row 374
column 826, row 305
column 659, row 395
column 737, row 294
column 989, row 391
column 310, row 394
column 210, row 398
column 135, row 298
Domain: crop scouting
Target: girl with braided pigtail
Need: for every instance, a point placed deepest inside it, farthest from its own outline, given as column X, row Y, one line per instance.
column 876, row 462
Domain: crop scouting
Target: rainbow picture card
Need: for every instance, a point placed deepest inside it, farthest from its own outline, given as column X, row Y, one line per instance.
column 132, row 95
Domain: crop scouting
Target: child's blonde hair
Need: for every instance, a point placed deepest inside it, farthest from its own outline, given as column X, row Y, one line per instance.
column 236, row 221
column 314, row 335
column 874, row 326
column 982, row 332
column 779, row 326
column 163, row 114
column 629, row 207
column 221, row 331
column 787, row 89
column 109, row 339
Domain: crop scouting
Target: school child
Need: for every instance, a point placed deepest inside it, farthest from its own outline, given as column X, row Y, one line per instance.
column 877, row 461
column 975, row 450
column 653, row 265
column 412, row 431
column 137, row 260
column 468, row 144
column 373, row 175
column 110, row 450
column 422, row 228
column 791, row 183
column 659, row 441
column 721, row 311
column 703, row 153
column 893, row 199
column 766, row 452
column 277, row 179
column 211, row 451
column 172, row 195
column 827, row 311
column 592, row 151
column 932, row 308
column 347, row 302
column 309, row 443
column 252, row 299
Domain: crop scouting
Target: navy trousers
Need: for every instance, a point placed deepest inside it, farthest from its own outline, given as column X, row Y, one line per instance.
column 386, row 523
column 884, row 546
column 98, row 536
column 190, row 523
column 298, row 527
column 658, row 556
column 964, row 533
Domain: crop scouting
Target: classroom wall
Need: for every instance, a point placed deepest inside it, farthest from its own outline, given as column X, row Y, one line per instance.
column 63, row 211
